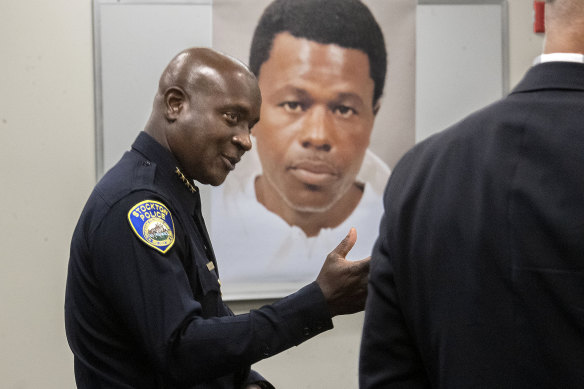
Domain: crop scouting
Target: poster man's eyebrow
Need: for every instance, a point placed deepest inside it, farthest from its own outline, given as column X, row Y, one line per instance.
column 350, row 96
column 300, row 92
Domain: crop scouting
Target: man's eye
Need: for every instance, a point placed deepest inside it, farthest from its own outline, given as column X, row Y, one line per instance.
column 292, row 106
column 231, row 117
column 344, row 111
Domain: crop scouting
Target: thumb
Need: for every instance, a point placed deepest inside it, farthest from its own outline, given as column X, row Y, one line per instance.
column 346, row 244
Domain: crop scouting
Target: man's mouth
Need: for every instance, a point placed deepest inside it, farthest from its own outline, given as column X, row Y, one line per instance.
column 230, row 161
column 314, row 172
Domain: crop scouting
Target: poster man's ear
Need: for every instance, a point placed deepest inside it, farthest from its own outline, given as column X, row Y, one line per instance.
column 174, row 102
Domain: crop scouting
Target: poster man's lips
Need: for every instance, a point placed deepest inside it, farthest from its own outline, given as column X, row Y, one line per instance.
column 314, row 172
column 316, row 167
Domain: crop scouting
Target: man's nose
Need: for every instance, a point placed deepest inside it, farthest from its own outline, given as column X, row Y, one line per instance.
column 316, row 131
column 242, row 139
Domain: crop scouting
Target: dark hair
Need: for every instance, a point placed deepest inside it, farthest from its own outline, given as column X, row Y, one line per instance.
column 347, row 23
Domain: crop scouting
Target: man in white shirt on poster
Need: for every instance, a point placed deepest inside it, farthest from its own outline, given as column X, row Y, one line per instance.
column 310, row 177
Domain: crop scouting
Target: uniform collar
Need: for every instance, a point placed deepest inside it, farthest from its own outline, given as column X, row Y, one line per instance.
column 166, row 165
column 154, row 151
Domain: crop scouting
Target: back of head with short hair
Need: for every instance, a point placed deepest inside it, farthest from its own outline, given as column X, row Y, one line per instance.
column 347, row 23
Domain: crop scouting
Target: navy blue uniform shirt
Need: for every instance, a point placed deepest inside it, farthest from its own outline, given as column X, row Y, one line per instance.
column 144, row 309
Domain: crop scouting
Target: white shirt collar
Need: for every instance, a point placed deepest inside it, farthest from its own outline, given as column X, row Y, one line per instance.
column 559, row 57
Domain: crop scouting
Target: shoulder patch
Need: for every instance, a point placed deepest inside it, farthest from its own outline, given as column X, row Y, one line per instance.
column 153, row 224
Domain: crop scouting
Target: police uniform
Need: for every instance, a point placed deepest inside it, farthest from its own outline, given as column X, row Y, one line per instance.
column 143, row 305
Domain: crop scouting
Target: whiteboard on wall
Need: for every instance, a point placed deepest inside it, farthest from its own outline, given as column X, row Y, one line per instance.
column 461, row 60
column 133, row 42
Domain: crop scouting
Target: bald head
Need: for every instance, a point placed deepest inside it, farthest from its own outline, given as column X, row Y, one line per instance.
column 197, row 68
column 203, row 111
column 564, row 24
column 192, row 73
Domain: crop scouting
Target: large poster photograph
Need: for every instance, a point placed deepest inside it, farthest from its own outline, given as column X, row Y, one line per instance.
column 337, row 79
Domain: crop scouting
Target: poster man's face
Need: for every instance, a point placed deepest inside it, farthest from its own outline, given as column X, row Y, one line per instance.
column 316, row 120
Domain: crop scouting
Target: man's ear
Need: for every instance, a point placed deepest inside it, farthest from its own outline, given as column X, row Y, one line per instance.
column 376, row 106
column 174, row 103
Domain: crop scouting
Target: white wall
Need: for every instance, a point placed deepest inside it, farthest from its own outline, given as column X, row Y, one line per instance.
column 46, row 163
column 47, row 172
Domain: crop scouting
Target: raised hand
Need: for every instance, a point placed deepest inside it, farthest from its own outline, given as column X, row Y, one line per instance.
column 343, row 282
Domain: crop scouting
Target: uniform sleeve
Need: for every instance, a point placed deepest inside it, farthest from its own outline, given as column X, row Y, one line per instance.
column 151, row 295
column 388, row 356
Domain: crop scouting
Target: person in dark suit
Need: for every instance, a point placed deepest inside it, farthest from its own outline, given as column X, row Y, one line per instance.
column 143, row 305
column 477, row 276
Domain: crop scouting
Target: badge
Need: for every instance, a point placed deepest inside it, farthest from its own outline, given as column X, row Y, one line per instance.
column 153, row 224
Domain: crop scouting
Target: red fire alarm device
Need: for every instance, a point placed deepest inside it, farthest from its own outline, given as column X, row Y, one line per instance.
column 538, row 16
